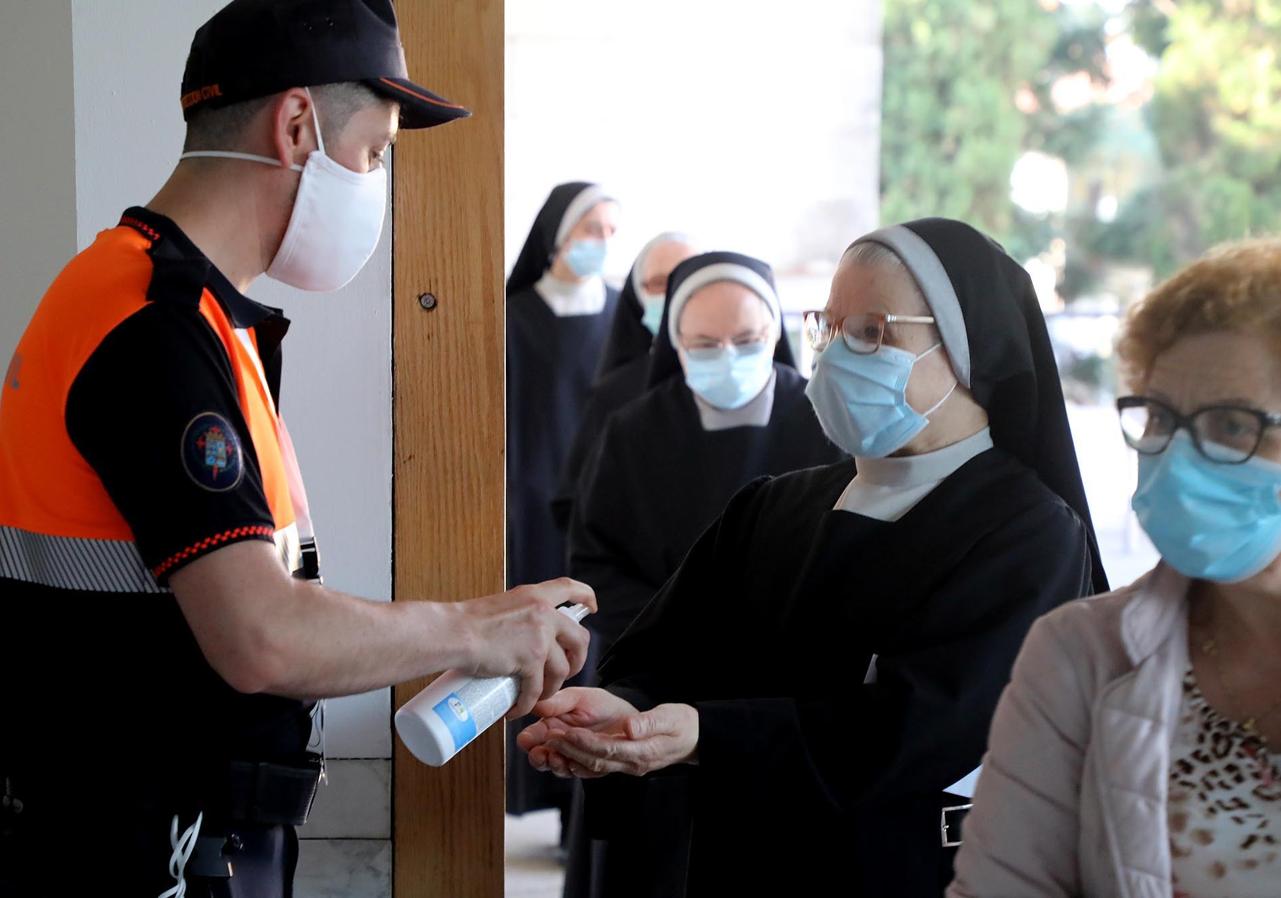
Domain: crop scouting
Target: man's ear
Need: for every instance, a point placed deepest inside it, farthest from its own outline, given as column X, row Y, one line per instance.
column 293, row 127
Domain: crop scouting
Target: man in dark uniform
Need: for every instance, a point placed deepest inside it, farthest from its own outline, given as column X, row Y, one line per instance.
column 166, row 633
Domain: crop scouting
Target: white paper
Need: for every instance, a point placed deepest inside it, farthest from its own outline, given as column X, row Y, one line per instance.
column 965, row 785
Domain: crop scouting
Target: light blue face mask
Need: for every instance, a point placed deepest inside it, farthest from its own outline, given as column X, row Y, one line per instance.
column 586, row 258
column 861, row 400
column 729, row 378
column 1210, row 521
column 652, row 316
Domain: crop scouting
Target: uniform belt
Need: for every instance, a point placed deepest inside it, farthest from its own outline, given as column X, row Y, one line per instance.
column 273, row 793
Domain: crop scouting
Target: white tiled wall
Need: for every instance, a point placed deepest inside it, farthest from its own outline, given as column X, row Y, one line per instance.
column 354, row 804
column 343, row 868
column 345, row 849
column 357, row 725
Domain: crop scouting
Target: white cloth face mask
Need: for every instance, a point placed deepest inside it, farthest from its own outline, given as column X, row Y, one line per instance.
column 336, row 222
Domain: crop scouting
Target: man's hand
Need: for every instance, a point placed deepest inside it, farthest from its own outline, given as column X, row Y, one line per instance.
column 520, row 632
column 264, row 631
column 590, row 733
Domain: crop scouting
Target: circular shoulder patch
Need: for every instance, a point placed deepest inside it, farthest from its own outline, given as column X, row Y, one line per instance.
column 211, row 453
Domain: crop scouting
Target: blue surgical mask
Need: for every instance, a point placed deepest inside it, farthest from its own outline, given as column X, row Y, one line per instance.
column 1210, row 521
column 652, row 317
column 861, row 400
column 729, row 378
column 586, row 258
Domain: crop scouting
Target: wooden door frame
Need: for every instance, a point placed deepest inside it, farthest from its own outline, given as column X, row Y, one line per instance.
column 448, row 356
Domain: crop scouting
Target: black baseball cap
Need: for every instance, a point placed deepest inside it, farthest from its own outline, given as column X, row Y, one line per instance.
column 253, row 48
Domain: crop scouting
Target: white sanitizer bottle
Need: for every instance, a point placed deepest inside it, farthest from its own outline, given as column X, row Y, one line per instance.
column 440, row 721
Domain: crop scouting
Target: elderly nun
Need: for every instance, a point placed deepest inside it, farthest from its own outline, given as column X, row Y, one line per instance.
column 819, row 674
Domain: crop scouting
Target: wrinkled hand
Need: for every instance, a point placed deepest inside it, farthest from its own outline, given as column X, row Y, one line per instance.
column 589, row 733
column 577, row 707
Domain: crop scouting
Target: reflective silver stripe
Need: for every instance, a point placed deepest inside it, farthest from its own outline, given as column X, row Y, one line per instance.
column 65, row 562
column 289, row 547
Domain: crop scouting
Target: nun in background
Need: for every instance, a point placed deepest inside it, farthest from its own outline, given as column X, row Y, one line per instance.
column 559, row 311
column 624, row 364
column 724, row 406
column 824, row 665
column 640, row 306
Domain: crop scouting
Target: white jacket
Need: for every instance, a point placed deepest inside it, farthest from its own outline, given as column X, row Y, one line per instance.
column 1072, row 797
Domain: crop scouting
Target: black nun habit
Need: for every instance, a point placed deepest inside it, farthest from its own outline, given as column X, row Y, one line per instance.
column 813, row 778
column 551, row 360
column 622, row 376
column 657, row 479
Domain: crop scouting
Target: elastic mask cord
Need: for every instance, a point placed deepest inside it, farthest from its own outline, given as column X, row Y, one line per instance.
column 254, row 157
column 182, row 846
column 927, row 352
column 231, row 154
column 315, row 120
column 946, row 396
column 955, row 383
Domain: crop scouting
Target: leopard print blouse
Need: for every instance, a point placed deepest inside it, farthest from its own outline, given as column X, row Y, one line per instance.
column 1224, row 806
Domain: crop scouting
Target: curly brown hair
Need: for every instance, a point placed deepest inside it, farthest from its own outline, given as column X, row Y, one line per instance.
column 1235, row 287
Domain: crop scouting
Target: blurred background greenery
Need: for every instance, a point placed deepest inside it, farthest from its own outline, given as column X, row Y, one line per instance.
column 1103, row 142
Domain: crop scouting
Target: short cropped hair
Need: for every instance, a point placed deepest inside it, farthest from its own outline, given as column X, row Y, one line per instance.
column 1236, row 287
column 224, row 128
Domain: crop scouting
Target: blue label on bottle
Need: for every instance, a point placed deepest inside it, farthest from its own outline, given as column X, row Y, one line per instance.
column 454, row 714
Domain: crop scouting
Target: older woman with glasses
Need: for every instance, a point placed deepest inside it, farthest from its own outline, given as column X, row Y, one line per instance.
column 817, row 677
column 1137, row 751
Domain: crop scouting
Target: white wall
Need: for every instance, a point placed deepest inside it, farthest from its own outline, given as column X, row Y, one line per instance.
column 70, row 169
column 37, row 151
column 753, row 124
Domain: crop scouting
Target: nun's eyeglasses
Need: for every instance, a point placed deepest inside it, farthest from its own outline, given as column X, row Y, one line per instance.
column 862, row 333
column 1226, row 434
column 656, row 284
column 745, row 344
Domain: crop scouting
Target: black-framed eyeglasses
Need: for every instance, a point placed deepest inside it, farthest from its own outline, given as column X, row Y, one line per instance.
column 1226, row 434
column 862, row 333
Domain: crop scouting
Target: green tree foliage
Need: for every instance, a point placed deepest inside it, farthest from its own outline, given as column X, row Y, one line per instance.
column 950, row 129
column 1202, row 159
column 1216, row 118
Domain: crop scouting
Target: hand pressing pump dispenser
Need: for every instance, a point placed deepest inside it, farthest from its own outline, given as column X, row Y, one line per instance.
column 444, row 718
